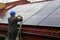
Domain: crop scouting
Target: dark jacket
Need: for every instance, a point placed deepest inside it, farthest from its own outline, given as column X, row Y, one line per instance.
column 12, row 24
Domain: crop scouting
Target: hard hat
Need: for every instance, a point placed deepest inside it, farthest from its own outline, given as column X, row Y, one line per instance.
column 12, row 13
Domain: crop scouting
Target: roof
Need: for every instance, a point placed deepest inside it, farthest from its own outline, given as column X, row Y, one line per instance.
column 41, row 14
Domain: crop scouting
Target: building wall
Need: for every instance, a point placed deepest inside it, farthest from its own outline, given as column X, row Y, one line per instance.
column 34, row 32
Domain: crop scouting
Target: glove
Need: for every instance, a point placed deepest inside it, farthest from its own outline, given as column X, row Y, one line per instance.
column 18, row 17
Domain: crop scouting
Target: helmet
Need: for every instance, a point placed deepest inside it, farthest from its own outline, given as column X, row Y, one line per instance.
column 12, row 13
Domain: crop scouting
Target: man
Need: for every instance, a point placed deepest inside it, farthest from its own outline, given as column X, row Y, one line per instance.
column 12, row 29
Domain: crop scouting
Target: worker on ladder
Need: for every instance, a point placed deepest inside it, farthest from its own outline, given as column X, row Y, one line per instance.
column 12, row 27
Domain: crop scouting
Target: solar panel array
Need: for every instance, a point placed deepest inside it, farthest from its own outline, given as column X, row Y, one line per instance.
column 26, row 11
column 41, row 14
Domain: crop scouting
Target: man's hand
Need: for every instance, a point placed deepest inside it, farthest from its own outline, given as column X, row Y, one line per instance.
column 18, row 17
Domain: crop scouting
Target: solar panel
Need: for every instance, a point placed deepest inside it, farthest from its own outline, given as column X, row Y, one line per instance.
column 43, row 14
column 46, row 14
column 53, row 18
column 24, row 10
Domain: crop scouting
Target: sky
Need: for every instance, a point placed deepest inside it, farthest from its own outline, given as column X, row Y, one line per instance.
column 34, row 0
column 6, row 1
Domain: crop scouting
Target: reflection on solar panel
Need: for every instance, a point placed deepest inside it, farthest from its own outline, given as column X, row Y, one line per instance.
column 41, row 14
